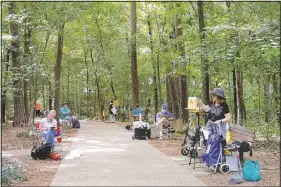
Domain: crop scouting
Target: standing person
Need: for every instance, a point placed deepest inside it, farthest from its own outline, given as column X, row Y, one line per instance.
column 38, row 109
column 162, row 119
column 112, row 111
column 218, row 110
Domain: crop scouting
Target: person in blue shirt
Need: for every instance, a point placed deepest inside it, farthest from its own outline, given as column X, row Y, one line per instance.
column 65, row 112
column 137, row 112
column 162, row 119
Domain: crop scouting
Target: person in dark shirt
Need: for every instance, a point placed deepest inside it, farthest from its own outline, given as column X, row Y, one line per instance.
column 218, row 112
column 112, row 112
column 218, row 109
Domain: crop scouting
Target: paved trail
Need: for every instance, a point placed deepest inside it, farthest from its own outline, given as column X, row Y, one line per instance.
column 111, row 158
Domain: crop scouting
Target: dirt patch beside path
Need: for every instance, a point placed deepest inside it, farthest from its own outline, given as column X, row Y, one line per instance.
column 37, row 172
column 268, row 155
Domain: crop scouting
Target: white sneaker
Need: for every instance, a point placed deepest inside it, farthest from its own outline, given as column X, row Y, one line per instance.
column 160, row 138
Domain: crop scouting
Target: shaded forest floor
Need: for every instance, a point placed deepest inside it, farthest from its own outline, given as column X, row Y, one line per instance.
column 17, row 146
column 267, row 153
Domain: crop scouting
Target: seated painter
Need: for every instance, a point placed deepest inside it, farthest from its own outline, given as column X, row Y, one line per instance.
column 162, row 119
column 137, row 112
column 48, row 127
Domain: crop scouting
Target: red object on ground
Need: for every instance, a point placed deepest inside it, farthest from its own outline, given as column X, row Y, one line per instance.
column 59, row 139
column 55, row 156
column 37, row 125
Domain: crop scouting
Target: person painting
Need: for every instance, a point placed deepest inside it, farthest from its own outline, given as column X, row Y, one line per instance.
column 137, row 112
column 65, row 112
column 48, row 127
column 162, row 119
column 218, row 110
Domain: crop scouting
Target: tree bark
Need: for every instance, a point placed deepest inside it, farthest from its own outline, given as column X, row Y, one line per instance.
column 182, row 79
column 27, row 36
column 112, row 88
column 204, row 61
column 134, row 71
column 280, row 82
column 87, row 81
column 268, row 90
column 50, row 94
column 3, row 93
column 241, row 109
column 154, row 66
column 58, row 71
column 19, row 109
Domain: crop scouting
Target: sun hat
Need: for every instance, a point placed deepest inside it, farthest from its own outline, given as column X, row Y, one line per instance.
column 64, row 103
column 218, row 92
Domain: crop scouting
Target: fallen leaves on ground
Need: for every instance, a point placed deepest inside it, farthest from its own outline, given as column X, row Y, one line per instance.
column 37, row 172
column 267, row 153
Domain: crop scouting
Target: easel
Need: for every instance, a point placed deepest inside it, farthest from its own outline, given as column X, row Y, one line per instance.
column 194, row 150
column 194, row 108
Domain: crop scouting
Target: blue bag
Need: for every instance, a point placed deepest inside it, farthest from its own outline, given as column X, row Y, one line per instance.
column 251, row 171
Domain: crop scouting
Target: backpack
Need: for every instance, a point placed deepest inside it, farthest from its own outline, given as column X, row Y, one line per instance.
column 245, row 147
column 251, row 171
column 42, row 152
column 76, row 124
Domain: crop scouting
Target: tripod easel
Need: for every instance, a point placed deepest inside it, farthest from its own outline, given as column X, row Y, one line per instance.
column 194, row 150
column 194, row 107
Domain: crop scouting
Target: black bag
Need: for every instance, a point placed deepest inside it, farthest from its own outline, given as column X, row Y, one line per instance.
column 42, row 152
column 140, row 133
column 244, row 147
column 76, row 124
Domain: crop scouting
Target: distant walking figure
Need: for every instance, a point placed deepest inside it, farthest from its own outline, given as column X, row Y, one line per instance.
column 38, row 109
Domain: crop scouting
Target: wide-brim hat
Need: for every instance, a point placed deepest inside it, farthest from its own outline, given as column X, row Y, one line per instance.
column 218, row 92
column 64, row 103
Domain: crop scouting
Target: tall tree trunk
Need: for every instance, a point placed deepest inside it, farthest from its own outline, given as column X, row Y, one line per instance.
column 241, row 109
column 3, row 93
column 204, row 61
column 87, row 81
column 234, row 93
column 276, row 94
column 97, row 96
column 68, row 72
column 112, row 87
column 268, row 92
column 160, row 98
column 182, row 79
column 280, row 84
column 134, row 71
column 58, row 71
column 19, row 109
column 27, row 36
column 50, row 95
column 154, row 66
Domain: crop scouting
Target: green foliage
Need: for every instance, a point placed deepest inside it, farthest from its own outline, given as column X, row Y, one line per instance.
column 250, row 29
column 12, row 171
